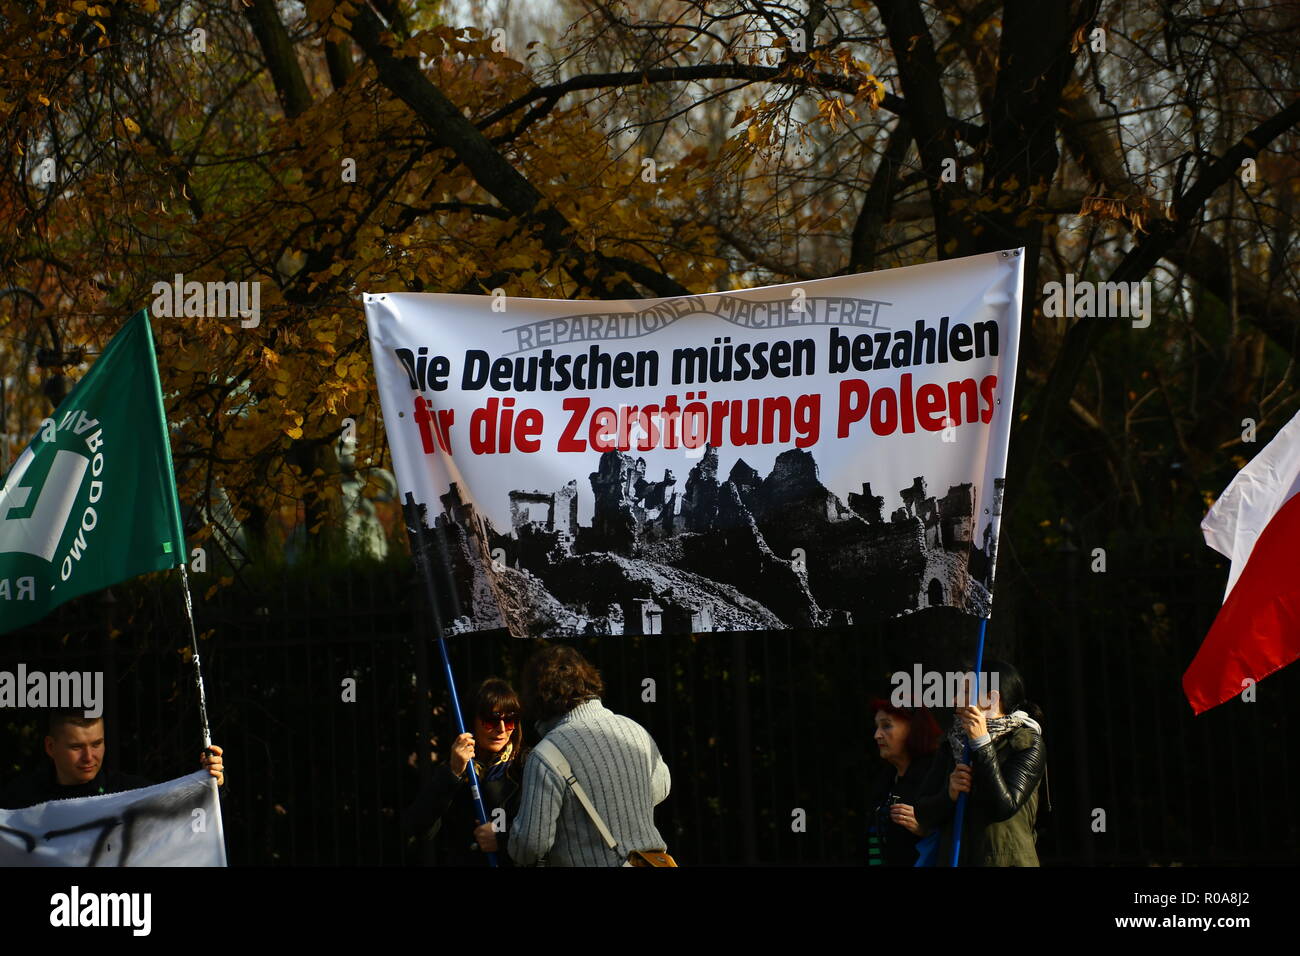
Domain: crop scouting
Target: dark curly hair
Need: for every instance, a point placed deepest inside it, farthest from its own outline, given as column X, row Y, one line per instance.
column 557, row 679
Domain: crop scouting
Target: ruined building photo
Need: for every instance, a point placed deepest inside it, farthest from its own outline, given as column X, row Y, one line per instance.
column 735, row 553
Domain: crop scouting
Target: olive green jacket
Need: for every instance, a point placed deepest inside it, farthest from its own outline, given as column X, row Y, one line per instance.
column 1002, row 807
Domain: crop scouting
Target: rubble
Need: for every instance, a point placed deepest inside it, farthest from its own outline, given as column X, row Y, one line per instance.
column 742, row 553
column 657, row 598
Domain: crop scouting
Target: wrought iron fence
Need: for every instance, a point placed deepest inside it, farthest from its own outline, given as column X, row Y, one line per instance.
column 755, row 727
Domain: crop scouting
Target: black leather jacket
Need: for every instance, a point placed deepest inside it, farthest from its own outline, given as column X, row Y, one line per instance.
column 443, row 815
column 1003, row 803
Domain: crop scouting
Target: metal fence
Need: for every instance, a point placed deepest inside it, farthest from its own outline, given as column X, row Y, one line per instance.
column 759, row 730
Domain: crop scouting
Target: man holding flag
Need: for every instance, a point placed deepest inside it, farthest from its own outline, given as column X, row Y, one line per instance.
column 75, row 746
column 90, row 502
column 1255, row 524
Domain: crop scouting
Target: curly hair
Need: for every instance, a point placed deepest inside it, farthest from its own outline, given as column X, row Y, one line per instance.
column 557, row 679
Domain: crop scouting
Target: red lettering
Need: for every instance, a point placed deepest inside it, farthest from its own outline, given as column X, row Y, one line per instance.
column 987, row 386
column 957, row 391
column 528, row 428
column 884, row 421
column 483, row 428
column 507, row 421
column 422, row 418
column 905, row 403
column 853, row 404
column 929, row 400
column 604, row 429
column 569, row 441
column 649, row 437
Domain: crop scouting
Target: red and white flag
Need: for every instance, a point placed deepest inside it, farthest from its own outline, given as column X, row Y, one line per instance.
column 1256, row 524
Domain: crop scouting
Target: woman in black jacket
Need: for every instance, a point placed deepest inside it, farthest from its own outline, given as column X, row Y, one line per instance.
column 444, row 809
column 906, row 739
column 1006, row 765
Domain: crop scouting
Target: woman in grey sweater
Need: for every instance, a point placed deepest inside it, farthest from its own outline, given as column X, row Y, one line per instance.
column 612, row 757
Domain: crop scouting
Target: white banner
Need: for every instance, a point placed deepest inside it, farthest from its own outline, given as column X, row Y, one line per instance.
column 791, row 456
column 177, row 823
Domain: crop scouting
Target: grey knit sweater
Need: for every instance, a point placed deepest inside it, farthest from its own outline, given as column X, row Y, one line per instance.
column 618, row 765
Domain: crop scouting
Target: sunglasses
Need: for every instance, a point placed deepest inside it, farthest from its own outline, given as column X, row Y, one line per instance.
column 509, row 720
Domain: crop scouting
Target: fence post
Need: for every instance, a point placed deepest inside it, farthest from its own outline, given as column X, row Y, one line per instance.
column 744, row 747
column 1078, row 706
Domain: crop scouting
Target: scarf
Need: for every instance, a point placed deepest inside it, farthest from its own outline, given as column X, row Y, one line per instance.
column 498, row 767
column 998, row 727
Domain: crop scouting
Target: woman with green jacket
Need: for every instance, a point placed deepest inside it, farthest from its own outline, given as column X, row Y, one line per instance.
column 1006, row 765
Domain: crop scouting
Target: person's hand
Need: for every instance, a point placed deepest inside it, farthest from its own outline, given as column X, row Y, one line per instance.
column 213, row 762
column 462, row 752
column 905, row 817
column 972, row 719
column 487, row 837
column 959, row 782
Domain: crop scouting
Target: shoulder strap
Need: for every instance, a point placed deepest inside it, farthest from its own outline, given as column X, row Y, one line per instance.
column 550, row 754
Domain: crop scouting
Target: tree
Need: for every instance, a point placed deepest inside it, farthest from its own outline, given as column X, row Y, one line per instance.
column 333, row 148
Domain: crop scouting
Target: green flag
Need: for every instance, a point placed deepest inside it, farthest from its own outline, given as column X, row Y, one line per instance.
column 92, row 500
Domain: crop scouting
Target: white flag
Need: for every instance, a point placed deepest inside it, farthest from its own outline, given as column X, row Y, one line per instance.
column 177, row 823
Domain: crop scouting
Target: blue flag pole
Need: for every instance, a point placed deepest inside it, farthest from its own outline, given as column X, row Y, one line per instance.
column 965, row 753
column 480, row 811
column 419, row 552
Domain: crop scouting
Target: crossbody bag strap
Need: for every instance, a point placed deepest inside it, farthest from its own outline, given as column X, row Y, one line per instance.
column 550, row 753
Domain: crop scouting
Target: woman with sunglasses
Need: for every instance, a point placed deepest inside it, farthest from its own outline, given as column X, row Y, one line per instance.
column 444, row 809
